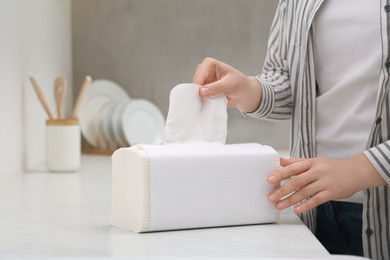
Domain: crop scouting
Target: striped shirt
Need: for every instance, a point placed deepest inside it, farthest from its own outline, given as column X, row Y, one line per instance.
column 289, row 92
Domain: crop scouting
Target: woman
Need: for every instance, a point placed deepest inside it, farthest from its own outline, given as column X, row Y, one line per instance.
column 327, row 69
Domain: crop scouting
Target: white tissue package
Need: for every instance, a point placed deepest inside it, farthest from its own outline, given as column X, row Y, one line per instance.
column 182, row 186
column 194, row 180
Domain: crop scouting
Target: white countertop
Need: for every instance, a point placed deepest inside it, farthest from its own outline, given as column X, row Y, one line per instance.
column 67, row 215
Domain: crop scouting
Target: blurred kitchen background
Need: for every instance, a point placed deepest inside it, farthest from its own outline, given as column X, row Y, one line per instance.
column 146, row 46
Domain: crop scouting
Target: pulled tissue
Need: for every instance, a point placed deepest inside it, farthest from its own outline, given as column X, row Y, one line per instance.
column 193, row 119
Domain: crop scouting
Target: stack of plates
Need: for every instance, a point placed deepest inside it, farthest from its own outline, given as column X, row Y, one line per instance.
column 110, row 119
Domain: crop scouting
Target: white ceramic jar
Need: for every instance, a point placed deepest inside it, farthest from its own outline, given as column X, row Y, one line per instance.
column 63, row 145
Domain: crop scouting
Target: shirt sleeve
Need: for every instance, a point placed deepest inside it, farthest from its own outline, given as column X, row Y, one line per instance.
column 379, row 156
column 276, row 100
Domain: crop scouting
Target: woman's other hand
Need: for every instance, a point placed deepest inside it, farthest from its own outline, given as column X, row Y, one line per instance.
column 311, row 182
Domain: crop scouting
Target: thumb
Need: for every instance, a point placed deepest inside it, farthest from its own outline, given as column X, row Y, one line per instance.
column 288, row 161
column 222, row 85
column 211, row 89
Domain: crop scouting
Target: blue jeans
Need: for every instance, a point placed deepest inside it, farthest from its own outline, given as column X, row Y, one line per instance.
column 339, row 227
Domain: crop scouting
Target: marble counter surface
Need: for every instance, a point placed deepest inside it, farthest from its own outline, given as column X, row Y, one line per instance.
column 67, row 215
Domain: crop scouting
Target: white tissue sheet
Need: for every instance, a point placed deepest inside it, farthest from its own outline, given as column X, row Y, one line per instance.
column 192, row 119
column 181, row 186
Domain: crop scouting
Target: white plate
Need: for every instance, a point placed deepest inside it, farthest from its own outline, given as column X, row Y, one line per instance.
column 108, row 132
column 143, row 123
column 98, row 128
column 116, row 122
column 100, row 94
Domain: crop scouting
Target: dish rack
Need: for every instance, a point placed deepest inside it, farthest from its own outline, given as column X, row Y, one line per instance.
column 99, row 149
column 110, row 119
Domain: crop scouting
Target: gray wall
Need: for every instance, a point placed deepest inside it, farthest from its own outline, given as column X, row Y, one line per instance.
column 149, row 46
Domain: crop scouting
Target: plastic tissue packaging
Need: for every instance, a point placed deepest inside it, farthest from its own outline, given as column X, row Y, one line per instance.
column 190, row 183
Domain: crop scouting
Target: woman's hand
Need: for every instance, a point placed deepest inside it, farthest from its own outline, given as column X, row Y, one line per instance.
column 217, row 77
column 315, row 181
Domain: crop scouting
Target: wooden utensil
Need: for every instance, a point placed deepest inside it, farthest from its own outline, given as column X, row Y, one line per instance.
column 60, row 88
column 80, row 97
column 41, row 97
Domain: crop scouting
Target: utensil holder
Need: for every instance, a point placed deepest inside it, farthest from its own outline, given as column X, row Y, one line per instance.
column 63, row 145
